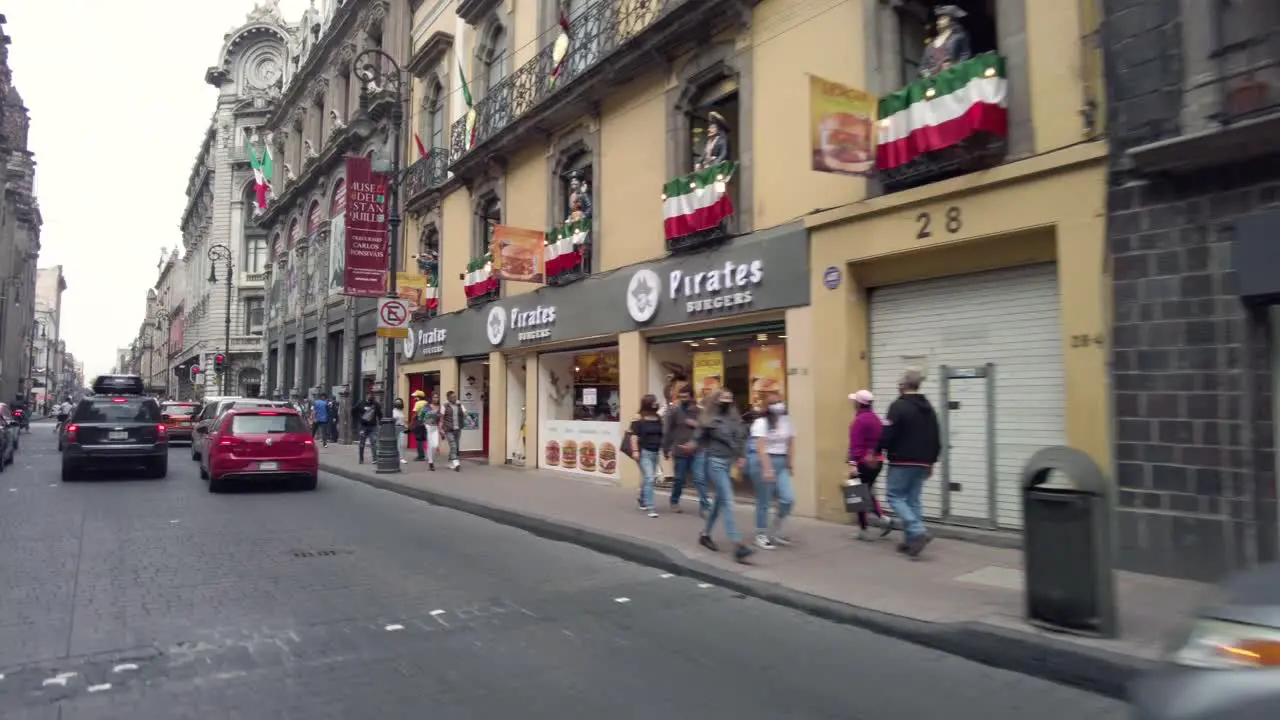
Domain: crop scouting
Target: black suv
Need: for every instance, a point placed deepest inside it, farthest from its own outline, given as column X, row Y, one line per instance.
column 116, row 426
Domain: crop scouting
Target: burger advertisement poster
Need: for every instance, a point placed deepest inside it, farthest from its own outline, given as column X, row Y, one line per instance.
column 582, row 448
column 518, row 254
column 841, row 128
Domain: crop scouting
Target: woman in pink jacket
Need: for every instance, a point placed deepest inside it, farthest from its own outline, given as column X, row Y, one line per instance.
column 864, row 436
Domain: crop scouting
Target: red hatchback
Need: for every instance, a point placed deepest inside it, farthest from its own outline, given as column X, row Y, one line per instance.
column 252, row 445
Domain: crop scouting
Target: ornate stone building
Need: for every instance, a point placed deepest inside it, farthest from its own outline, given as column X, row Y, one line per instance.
column 218, row 221
column 20, row 223
column 317, row 339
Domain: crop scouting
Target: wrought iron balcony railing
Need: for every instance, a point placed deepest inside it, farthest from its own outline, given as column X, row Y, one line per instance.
column 597, row 32
column 427, row 173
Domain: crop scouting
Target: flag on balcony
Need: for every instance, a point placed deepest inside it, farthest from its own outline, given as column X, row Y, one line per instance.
column 940, row 112
column 698, row 201
column 471, row 107
column 262, row 167
column 560, row 49
column 422, row 149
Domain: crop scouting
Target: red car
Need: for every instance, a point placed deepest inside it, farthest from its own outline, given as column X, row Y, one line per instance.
column 179, row 418
column 257, row 444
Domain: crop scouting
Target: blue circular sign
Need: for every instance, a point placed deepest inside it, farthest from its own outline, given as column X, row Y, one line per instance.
column 831, row 278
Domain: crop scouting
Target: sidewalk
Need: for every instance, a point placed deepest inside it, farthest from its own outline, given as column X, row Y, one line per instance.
column 963, row 597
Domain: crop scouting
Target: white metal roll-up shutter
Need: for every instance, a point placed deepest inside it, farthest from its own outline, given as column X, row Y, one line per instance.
column 1008, row 318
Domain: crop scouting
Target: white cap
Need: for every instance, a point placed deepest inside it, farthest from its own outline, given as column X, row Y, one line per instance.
column 863, row 397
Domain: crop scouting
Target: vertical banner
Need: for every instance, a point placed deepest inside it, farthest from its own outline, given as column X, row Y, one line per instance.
column 518, row 254
column 337, row 270
column 365, row 272
column 767, row 365
column 708, row 373
column 841, row 124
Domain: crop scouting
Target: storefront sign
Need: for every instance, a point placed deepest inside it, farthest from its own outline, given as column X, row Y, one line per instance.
column 767, row 270
column 424, row 343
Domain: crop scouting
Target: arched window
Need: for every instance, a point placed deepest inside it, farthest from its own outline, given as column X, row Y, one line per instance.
column 338, row 199
column 434, row 117
column 493, row 56
column 719, row 96
column 276, row 250
column 488, row 217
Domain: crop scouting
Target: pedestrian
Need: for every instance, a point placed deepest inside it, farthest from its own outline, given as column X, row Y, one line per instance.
column 724, row 443
column 334, row 409
column 453, row 418
column 646, row 447
column 864, row 436
column 320, row 419
column 911, row 442
column 368, row 414
column 679, row 441
column 772, row 446
column 427, row 414
column 402, row 430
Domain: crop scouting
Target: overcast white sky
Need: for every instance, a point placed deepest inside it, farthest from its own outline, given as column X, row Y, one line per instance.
column 118, row 109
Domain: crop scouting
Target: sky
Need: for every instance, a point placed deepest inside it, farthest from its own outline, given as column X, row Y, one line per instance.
column 118, row 108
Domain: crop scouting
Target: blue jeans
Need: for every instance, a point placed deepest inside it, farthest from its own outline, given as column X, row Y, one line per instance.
column 903, row 487
column 718, row 472
column 649, row 475
column 368, row 434
column 780, row 488
column 692, row 467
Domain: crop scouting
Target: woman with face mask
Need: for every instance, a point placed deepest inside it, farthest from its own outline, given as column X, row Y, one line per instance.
column 722, row 437
column 773, row 442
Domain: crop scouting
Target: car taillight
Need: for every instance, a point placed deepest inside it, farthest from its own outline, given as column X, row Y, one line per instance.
column 307, row 440
column 161, row 427
column 119, row 400
column 228, row 440
column 71, row 432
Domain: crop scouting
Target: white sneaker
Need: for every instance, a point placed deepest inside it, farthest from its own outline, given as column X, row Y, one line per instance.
column 653, row 513
column 764, row 543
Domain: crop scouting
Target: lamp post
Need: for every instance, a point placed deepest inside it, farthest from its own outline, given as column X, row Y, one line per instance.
column 376, row 78
column 221, row 253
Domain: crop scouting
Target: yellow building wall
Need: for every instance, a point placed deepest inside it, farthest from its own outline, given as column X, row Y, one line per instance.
column 525, row 198
column 455, row 251
column 1054, row 30
column 633, row 164
column 522, row 19
column 1013, row 215
column 784, row 55
column 532, row 447
column 633, row 377
column 497, row 408
column 801, row 395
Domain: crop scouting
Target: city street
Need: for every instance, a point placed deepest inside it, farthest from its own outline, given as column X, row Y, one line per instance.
column 138, row 599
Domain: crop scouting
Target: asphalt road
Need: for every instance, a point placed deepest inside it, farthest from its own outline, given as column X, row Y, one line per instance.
column 140, row 599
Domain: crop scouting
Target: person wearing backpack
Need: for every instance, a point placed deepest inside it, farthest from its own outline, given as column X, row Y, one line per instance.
column 368, row 413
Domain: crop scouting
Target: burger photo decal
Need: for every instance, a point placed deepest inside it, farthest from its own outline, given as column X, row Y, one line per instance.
column 844, row 142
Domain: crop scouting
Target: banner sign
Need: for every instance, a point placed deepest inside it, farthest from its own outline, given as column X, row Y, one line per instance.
column 518, row 254
column 365, row 226
column 841, row 128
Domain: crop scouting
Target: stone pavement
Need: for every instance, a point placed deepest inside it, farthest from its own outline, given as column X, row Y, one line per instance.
column 963, row 597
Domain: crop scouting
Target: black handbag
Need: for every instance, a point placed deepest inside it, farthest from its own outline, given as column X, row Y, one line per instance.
column 625, row 446
column 857, row 497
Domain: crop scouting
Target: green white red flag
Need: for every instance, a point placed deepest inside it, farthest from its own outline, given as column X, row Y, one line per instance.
column 471, row 109
column 262, row 167
column 698, row 201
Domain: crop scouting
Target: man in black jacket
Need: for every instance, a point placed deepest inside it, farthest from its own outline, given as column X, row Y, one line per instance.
column 912, row 443
column 681, row 441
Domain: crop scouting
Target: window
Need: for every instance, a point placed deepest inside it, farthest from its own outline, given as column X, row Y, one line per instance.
column 435, row 117
column 428, row 250
column 721, row 98
column 255, row 254
column 253, row 316
column 917, row 28
column 577, row 169
column 488, row 216
column 267, row 424
column 117, row 410
column 493, row 56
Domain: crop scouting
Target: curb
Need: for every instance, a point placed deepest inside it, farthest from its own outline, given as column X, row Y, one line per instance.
column 1091, row 669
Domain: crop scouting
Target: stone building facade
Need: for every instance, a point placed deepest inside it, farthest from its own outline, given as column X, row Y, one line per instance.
column 317, row 339
column 1194, row 208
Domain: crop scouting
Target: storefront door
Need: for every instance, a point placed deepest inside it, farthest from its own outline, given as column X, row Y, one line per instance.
column 473, row 393
column 428, row 383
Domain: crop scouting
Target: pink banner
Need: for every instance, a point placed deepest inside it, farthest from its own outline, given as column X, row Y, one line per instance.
column 365, row 274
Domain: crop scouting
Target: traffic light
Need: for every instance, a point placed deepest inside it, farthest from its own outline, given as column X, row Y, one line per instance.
column 219, row 362
column 195, row 373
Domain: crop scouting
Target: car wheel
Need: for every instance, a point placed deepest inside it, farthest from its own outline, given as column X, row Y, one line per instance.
column 311, row 482
column 158, row 469
column 215, row 485
column 70, row 473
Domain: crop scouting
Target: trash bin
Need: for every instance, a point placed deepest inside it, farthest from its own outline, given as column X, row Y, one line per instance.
column 1067, row 553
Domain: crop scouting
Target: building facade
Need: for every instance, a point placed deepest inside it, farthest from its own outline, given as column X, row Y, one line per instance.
column 1194, row 207
column 46, row 358
column 20, row 224
column 318, row 340
column 666, row 151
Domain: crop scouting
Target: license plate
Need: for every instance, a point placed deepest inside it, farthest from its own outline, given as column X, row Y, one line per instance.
column 117, row 435
column 185, row 424
column 268, row 466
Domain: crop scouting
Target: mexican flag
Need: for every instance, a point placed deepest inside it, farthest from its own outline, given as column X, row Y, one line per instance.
column 261, row 174
column 560, row 49
column 471, row 107
column 698, row 201
column 942, row 111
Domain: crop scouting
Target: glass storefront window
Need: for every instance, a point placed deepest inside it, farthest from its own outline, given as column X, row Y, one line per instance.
column 579, row 406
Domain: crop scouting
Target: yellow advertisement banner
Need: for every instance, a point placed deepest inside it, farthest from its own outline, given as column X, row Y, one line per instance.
column 841, row 128
column 708, row 373
column 412, row 288
column 518, row 254
column 767, row 365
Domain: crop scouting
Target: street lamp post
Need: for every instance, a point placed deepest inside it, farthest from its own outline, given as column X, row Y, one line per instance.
column 219, row 252
column 376, row 78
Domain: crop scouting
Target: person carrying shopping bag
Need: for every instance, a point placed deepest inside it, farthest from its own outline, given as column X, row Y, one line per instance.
column 864, row 435
column 769, row 453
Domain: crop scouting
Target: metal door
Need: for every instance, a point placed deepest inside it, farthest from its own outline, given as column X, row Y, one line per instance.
column 967, row 419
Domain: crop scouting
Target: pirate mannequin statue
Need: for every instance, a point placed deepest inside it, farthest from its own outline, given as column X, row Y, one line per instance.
column 579, row 199
column 716, row 149
column 949, row 46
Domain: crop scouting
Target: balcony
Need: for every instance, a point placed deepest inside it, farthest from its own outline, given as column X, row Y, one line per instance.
column 613, row 41
column 953, row 123
column 425, row 176
column 568, row 252
column 479, row 284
